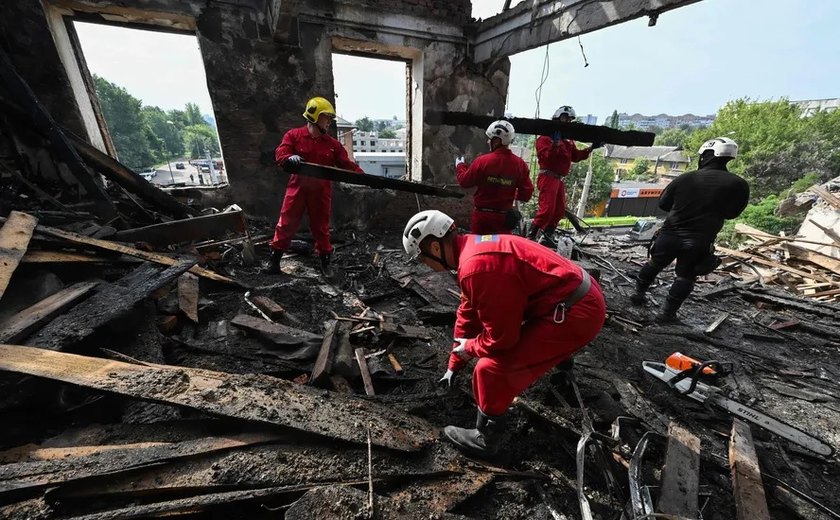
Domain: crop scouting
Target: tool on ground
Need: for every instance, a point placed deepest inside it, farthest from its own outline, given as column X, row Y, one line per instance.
column 687, row 382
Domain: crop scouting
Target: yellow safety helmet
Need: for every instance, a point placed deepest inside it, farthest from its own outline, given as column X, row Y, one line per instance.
column 317, row 106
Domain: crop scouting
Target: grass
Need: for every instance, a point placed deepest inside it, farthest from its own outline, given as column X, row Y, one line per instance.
column 604, row 221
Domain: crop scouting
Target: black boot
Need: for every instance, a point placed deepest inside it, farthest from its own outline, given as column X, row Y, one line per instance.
column 483, row 440
column 532, row 232
column 326, row 266
column 638, row 297
column 273, row 264
column 547, row 238
column 669, row 311
column 679, row 291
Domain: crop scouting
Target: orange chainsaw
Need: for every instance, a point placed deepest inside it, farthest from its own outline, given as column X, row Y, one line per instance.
column 684, row 374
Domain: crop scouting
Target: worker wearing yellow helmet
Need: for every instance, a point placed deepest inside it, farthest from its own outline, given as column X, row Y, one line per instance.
column 309, row 143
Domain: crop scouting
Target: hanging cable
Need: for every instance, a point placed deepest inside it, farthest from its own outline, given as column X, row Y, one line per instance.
column 585, row 62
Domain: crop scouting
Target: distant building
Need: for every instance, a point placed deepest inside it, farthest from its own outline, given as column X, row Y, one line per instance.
column 370, row 142
column 643, row 122
column 384, row 164
column 638, row 199
column 667, row 161
column 344, row 131
column 812, row 106
column 588, row 119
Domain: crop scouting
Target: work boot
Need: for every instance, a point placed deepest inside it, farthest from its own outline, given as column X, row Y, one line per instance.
column 273, row 264
column 547, row 238
column 532, row 232
column 638, row 297
column 326, row 266
column 669, row 311
column 483, row 440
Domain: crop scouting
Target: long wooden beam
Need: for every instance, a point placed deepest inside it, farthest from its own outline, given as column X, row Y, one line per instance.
column 374, row 181
column 28, row 320
column 244, row 396
column 680, row 483
column 206, row 227
column 14, row 239
column 124, row 249
column 750, row 502
column 576, row 131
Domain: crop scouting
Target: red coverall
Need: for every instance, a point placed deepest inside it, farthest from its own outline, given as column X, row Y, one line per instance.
column 308, row 193
column 500, row 177
column 510, row 288
column 555, row 160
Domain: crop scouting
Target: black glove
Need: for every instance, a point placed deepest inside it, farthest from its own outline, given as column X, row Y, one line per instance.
column 597, row 145
column 292, row 163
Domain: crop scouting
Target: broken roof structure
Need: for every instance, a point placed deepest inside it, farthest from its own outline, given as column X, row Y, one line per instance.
column 148, row 369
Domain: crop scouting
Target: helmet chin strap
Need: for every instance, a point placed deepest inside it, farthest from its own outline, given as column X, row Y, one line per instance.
column 440, row 259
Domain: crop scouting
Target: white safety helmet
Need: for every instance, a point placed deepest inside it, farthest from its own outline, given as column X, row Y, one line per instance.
column 565, row 109
column 501, row 129
column 426, row 223
column 721, row 146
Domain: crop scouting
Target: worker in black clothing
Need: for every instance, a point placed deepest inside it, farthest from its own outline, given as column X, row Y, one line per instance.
column 697, row 203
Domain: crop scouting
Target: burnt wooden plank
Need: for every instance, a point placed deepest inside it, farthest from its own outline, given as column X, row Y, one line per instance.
column 374, row 181
column 323, row 363
column 30, row 319
column 245, row 396
column 207, row 227
column 681, row 474
column 64, row 257
column 576, row 131
column 277, row 333
column 188, row 295
column 14, row 239
column 271, row 308
column 109, row 303
column 363, row 368
column 121, row 248
column 750, row 502
column 348, row 502
column 292, row 461
column 22, row 477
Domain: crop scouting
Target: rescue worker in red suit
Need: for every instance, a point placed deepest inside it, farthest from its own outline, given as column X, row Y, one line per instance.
column 555, row 156
column 499, row 177
column 309, row 143
column 524, row 309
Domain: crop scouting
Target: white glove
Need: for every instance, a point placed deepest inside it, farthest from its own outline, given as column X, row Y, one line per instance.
column 459, row 160
column 461, row 349
column 295, row 159
column 446, row 380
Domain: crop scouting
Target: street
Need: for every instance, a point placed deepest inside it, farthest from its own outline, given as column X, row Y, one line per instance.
column 189, row 175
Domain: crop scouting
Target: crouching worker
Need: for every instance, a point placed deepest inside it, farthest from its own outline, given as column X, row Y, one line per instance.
column 697, row 203
column 524, row 309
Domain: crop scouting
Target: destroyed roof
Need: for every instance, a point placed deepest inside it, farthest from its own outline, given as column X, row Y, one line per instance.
column 662, row 153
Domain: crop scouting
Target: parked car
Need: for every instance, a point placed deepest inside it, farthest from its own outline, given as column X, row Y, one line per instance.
column 179, row 166
column 148, row 175
column 204, row 168
column 644, row 229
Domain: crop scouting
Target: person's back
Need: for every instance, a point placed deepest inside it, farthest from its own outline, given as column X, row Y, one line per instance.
column 698, row 202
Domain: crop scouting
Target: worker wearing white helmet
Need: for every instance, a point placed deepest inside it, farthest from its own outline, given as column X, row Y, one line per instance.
column 555, row 156
column 697, row 203
column 499, row 178
column 524, row 310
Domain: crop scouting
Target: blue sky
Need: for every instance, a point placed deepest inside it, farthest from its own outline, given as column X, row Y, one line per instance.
column 694, row 60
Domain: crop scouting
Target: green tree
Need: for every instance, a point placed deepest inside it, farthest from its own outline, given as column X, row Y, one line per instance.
column 613, row 121
column 640, row 170
column 365, row 124
column 200, row 138
column 599, row 189
column 122, row 113
column 388, row 134
column 672, row 137
column 193, row 116
column 164, row 134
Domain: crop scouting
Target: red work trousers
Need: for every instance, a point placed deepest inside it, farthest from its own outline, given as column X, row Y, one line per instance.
column 314, row 197
column 488, row 223
column 552, row 204
column 542, row 345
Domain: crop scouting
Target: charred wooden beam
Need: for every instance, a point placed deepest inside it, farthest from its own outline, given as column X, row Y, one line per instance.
column 188, row 295
column 208, row 227
column 373, row 181
column 244, row 396
column 277, row 333
column 271, row 308
column 41, row 119
column 680, row 482
column 576, row 131
column 69, row 329
column 14, row 239
column 363, row 368
column 750, row 502
column 30, row 319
